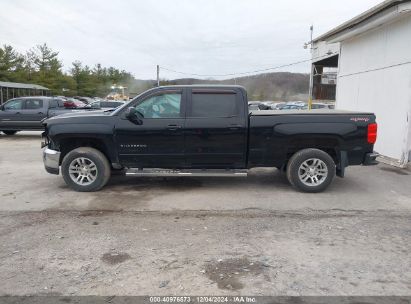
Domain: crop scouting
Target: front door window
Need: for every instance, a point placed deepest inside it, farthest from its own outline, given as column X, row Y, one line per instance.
column 166, row 105
column 14, row 105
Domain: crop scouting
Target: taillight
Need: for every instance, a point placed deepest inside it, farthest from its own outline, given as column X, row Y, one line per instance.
column 372, row 133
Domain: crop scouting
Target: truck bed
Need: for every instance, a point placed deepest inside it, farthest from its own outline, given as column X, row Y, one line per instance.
column 275, row 135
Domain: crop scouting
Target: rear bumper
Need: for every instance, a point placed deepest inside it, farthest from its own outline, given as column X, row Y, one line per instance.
column 51, row 160
column 370, row 159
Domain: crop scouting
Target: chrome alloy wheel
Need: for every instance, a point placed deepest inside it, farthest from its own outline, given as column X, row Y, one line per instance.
column 313, row 172
column 83, row 171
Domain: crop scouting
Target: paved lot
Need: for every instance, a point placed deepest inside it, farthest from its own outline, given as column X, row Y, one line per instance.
column 254, row 236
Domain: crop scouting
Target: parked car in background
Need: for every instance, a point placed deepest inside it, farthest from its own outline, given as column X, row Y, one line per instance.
column 293, row 107
column 270, row 104
column 26, row 113
column 72, row 103
column 86, row 100
column 257, row 106
column 278, row 105
column 105, row 104
column 315, row 106
column 253, row 107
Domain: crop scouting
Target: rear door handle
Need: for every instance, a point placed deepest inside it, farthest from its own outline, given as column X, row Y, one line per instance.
column 40, row 113
column 235, row 127
column 18, row 113
column 173, row 127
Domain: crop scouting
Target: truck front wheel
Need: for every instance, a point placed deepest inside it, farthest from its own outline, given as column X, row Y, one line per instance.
column 85, row 169
column 310, row 170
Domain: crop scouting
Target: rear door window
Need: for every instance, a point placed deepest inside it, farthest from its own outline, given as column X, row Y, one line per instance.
column 33, row 104
column 205, row 104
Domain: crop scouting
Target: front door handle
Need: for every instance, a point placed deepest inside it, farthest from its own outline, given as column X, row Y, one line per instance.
column 40, row 113
column 173, row 127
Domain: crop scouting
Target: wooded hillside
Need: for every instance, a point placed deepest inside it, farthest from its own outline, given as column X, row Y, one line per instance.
column 41, row 65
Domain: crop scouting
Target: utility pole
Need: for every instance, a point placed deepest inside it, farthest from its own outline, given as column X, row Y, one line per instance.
column 158, row 75
column 310, row 91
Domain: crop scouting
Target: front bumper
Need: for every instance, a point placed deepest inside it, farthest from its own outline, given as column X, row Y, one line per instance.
column 51, row 160
column 370, row 159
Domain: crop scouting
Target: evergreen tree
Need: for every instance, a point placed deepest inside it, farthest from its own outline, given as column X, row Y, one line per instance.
column 45, row 67
column 11, row 63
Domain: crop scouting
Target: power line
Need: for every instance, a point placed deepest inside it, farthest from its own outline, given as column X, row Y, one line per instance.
column 236, row 74
column 376, row 69
column 249, row 72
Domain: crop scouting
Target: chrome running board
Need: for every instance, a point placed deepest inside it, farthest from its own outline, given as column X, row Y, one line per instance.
column 187, row 172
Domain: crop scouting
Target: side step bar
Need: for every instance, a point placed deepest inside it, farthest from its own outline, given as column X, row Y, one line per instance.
column 189, row 172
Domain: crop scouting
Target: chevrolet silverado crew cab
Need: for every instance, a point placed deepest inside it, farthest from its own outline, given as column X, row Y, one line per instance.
column 205, row 131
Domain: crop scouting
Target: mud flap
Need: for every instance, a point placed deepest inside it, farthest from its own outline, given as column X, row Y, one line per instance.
column 343, row 163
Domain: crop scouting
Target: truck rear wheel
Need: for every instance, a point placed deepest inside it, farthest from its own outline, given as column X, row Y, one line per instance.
column 85, row 169
column 10, row 132
column 310, row 170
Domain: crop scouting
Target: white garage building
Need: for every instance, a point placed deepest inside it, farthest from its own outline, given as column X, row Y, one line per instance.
column 372, row 56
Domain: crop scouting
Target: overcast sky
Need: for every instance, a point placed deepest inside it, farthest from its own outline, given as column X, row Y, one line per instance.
column 196, row 36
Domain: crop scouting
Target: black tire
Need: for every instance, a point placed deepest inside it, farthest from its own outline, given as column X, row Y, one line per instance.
column 102, row 173
column 10, row 132
column 295, row 172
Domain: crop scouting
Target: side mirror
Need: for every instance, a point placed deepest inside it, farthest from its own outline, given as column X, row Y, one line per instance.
column 134, row 116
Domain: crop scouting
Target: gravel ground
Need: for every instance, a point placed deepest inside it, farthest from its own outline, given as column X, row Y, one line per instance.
column 201, row 236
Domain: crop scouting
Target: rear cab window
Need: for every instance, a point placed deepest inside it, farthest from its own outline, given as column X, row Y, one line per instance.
column 57, row 103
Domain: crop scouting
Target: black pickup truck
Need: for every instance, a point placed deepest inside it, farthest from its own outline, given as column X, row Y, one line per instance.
column 205, row 131
column 26, row 113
